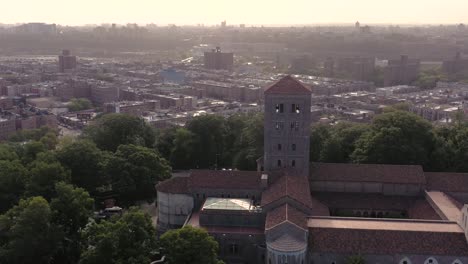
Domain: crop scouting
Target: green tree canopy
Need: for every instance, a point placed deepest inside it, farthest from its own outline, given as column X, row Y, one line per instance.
column 71, row 210
column 396, row 137
column 135, row 170
column 78, row 104
column 342, row 142
column 112, row 130
column 130, row 239
column 13, row 177
column 183, row 151
column 209, row 131
column 7, row 152
column 190, row 245
column 86, row 163
column 43, row 177
column 249, row 143
column 318, row 136
column 28, row 234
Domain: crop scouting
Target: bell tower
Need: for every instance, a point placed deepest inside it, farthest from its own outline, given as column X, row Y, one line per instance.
column 287, row 126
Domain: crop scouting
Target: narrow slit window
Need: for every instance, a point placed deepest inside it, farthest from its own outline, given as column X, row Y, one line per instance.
column 279, row 146
column 279, row 163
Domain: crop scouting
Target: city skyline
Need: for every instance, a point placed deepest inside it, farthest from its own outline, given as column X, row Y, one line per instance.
column 261, row 12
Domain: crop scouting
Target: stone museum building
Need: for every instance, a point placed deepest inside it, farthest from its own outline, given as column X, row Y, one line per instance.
column 291, row 211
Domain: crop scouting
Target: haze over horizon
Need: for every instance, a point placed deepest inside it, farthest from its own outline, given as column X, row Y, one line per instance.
column 267, row 12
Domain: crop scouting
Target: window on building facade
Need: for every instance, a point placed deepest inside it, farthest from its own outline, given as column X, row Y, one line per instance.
column 298, row 109
column 293, row 163
column 279, row 108
column 279, row 125
column 457, row 261
column 431, row 260
column 296, row 125
column 279, row 163
column 233, row 249
column 293, row 108
column 279, row 146
column 293, row 147
column 405, row 261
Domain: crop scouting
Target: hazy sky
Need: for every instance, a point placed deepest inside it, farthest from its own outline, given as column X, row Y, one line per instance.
column 74, row 12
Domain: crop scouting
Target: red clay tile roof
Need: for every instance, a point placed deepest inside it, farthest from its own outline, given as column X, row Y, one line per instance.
column 288, row 85
column 447, row 181
column 285, row 213
column 388, row 242
column 421, row 209
column 295, row 187
column 399, row 174
column 220, row 179
column 176, row 185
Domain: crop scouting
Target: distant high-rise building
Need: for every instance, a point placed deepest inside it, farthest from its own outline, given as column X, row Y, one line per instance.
column 402, row 71
column 360, row 69
column 357, row 25
column 66, row 61
column 456, row 64
column 223, row 24
column 37, row 28
column 218, row 60
column 329, row 67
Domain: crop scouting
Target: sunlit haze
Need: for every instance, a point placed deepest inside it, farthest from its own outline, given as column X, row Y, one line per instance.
column 208, row 12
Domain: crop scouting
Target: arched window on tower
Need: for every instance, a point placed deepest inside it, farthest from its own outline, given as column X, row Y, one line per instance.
column 293, row 163
column 431, row 260
column 457, row 261
column 405, row 260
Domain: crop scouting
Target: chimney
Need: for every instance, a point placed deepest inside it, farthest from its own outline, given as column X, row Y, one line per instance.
column 264, row 181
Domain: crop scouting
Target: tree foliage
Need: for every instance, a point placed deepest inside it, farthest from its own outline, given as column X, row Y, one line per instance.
column 71, row 210
column 78, row 104
column 190, row 245
column 86, row 163
column 28, row 233
column 135, row 170
column 396, row 137
column 112, row 130
column 43, row 177
column 13, row 177
column 210, row 141
column 128, row 239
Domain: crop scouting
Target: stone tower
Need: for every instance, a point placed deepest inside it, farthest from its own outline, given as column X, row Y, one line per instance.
column 287, row 126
